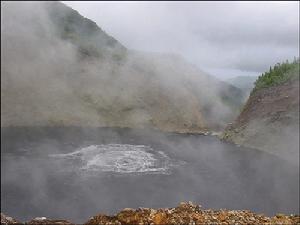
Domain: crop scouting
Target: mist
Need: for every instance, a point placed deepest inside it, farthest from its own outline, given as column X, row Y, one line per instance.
column 125, row 111
column 205, row 171
column 225, row 39
column 98, row 82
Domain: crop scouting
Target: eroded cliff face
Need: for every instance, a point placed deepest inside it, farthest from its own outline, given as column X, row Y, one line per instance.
column 270, row 121
column 60, row 69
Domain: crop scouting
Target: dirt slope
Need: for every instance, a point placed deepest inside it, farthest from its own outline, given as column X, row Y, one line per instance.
column 270, row 121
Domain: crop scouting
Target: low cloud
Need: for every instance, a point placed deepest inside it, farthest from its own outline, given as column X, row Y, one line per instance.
column 243, row 36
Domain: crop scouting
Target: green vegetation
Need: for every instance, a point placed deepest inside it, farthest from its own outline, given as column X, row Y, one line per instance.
column 280, row 73
column 83, row 33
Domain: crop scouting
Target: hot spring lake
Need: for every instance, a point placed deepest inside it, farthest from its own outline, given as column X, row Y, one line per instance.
column 76, row 173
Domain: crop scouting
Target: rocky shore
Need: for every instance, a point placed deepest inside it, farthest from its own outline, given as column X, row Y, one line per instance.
column 185, row 213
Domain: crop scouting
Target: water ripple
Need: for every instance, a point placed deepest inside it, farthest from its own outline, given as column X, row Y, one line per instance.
column 119, row 158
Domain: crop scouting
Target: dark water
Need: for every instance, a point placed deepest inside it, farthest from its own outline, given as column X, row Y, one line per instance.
column 74, row 173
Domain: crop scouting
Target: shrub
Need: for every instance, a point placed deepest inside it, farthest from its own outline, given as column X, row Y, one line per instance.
column 280, row 73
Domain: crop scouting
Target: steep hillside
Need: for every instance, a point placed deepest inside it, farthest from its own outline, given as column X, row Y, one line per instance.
column 59, row 68
column 270, row 119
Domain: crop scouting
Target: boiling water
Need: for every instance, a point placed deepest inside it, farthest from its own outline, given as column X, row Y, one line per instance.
column 117, row 158
column 76, row 173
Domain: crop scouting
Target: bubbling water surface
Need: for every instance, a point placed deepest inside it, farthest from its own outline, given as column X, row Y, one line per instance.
column 118, row 158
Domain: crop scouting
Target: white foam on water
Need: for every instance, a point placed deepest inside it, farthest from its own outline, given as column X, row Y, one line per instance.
column 119, row 158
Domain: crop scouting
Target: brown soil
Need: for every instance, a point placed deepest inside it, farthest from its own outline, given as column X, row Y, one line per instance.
column 269, row 121
column 270, row 102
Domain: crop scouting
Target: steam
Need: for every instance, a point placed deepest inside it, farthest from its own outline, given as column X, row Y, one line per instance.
column 47, row 80
column 225, row 39
column 50, row 80
column 215, row 174
column 280, row 138
column 118, row 158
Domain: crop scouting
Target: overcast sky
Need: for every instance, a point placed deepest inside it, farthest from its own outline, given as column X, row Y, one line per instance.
column 223, row 38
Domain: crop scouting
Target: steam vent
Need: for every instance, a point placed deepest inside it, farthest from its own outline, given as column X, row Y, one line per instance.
column 185, row 213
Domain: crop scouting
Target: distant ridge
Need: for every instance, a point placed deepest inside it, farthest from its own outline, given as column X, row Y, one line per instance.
column 60, row 69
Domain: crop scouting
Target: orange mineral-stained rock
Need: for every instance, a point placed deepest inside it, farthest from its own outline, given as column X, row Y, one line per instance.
column 283, row 219
column 222, row 216
column 188, row 213
column 100, row 219
column 127, row 216
column 184, row 214
column 160, row 218
column 197, row 218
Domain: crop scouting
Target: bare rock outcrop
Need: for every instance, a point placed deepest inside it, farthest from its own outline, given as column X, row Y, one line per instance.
column 7, row 220
column 269, row 121
column 185, row 213
column 188, row 213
